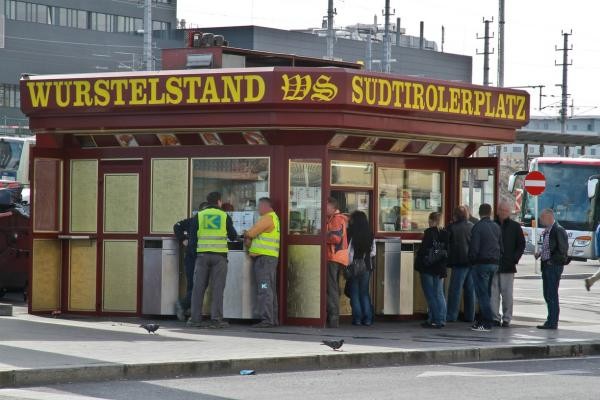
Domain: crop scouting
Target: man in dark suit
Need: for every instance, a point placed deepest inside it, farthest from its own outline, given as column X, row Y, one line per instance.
column 554, row 254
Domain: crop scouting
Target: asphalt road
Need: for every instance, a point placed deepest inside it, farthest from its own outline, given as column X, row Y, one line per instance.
column 575, row 379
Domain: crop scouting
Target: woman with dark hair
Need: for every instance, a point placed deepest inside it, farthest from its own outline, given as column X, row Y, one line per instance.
column 431, row 262
column 361, row 248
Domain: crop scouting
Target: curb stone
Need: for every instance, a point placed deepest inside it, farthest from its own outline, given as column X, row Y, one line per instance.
column 340, row 360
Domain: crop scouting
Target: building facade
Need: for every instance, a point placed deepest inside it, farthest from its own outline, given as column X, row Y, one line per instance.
column 68, row 36
column 409, row 61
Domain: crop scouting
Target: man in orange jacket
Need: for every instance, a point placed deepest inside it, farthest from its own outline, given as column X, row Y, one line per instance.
column 337, row 258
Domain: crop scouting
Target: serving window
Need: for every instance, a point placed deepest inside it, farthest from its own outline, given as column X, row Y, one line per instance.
column 407, row 197
column 241, row 182
column 305, row 196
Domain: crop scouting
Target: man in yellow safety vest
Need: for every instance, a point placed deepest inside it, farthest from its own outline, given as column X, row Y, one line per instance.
column 263, row 239
column 212, row 228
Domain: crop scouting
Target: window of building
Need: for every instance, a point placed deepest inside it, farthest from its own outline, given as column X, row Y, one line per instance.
column 407, row 197
column 81, row 19
column 10, row 97
column 241, row 183
column 517, row 149
column 305, row 196
column 593, row 152
column 590, row 127
column 546, row 126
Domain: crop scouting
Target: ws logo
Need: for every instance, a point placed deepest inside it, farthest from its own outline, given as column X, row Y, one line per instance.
column 298, row 87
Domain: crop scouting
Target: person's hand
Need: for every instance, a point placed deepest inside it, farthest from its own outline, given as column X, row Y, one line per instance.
column 185, row 242
column 537, row 255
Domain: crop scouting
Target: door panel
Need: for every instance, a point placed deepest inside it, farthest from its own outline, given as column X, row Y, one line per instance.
column 121, row 203
column 82, row 275
column 119, row 275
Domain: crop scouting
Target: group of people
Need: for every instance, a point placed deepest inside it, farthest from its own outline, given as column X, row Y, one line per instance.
column 482, row 256
column 205, row 237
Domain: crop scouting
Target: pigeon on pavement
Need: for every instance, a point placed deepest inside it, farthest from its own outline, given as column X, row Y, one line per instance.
column 334, row 344
column 151, row 328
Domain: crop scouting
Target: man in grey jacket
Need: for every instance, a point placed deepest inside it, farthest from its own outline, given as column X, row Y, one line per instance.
column 485, row 251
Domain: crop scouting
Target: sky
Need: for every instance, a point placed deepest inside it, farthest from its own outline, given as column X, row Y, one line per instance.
column 533, row 29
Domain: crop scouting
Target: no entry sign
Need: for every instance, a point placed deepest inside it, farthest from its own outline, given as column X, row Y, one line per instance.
column 535, row 183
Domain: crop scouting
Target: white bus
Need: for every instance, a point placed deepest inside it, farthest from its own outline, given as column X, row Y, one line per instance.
column 14, row 161
column 572, row 192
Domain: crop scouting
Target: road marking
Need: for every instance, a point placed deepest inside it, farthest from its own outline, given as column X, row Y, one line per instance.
column 26, row 394
column 526, row 361
column 477, row 374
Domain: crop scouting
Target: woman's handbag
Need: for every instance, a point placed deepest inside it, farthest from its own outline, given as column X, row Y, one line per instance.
column 356, row 268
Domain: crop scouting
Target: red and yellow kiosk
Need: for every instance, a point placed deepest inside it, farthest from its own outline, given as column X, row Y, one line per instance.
column 122, row 156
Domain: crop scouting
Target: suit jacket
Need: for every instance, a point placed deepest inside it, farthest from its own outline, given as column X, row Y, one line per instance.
column 559, row 245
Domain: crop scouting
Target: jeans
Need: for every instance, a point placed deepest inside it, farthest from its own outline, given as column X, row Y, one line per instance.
column 360, row 300
column 482, row 278
column 461, row 279
column 433, row 288
column 551, row 280
column 189, row 263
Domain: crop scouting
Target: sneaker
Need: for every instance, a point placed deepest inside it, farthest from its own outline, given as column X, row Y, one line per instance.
column 481, row 328
column 588, row 284
column 498, row 323
column 220, row 324
column 263, row 324
column 506, row 324
column 179, row 311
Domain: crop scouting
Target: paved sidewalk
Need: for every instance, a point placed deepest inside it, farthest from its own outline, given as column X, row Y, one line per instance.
column 41, row 350
column 37, row 350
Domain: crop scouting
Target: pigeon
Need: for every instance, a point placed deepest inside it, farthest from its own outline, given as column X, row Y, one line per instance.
column 334, row 344
column 151, row 328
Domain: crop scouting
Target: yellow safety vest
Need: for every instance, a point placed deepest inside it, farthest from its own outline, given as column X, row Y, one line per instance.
column 267, row 243
column 212, row 231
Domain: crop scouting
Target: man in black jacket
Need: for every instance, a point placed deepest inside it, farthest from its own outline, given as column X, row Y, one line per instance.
column 485, row 251
column 184, row 232
column 460, row 279
column 554, row 255
column 513, row 243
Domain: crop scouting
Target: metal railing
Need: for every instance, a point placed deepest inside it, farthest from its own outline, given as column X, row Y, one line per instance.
column 10, row 126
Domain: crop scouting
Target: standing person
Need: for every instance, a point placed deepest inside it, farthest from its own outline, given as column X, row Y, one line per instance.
column 337, row 258
column 485, row 251
column 213, row 228
column 459, row 232
column 554, row 255
column 513, row 245
column 183, row 231
column 589, row 282
column 263, row 239
column 361, row 247
column 433, row 271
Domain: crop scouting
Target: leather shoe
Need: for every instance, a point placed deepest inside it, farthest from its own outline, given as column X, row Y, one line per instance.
column 547, row 327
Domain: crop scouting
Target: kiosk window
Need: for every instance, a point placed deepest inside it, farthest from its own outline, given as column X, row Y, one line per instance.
column 344, row 173
column 241, row 182
column 305, row 197
column 406, row 197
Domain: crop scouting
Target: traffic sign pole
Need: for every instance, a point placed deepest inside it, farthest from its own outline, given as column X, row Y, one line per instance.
column 535, row 184
column 536, row 267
